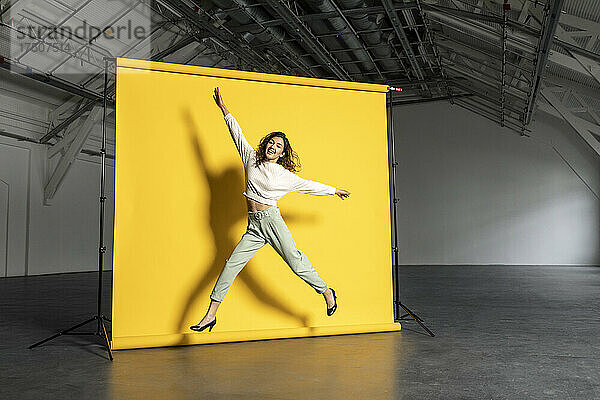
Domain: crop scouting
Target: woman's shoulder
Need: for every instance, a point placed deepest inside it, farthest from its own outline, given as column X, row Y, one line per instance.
column 284, row 171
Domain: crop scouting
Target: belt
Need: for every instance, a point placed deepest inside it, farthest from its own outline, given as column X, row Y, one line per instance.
column 263, row 213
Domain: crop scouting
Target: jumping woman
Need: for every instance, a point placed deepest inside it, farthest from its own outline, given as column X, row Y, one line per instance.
column 269, row 176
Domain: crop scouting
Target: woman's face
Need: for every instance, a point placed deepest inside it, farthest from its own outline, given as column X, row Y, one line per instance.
column 274, row 148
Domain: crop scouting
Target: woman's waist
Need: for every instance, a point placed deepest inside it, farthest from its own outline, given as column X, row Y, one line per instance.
column 266, row 212
column 254, row 206
column 261, row 200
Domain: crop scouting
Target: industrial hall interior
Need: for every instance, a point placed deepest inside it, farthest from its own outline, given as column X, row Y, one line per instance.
column 300, row 199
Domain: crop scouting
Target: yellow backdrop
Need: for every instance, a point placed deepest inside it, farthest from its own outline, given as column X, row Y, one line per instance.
column 179, row 208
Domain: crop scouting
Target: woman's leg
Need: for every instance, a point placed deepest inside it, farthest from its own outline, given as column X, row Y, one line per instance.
column 280, row 237
column 248, row 245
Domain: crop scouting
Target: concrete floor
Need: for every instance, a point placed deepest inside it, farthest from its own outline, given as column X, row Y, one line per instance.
column 502, row 333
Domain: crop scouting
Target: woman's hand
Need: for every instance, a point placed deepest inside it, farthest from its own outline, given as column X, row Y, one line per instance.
column 219, row 101
column 342, row 193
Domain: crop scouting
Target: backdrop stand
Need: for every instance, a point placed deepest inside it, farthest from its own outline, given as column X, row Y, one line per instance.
column 98, row 317
column 397, row 303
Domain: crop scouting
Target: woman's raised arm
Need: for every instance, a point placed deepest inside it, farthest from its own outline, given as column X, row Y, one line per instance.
column 243, row 146
column 219, row 101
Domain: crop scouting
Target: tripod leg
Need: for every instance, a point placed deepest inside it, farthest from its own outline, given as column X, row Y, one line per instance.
column 416, row 318
column 403, row 317
column 62, row 333
column 106, row 342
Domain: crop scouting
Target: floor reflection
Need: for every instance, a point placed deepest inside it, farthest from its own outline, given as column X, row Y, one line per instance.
column 349, row 366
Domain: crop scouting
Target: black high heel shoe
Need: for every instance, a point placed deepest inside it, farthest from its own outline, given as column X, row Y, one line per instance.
column 199, row 328
column 331, row 310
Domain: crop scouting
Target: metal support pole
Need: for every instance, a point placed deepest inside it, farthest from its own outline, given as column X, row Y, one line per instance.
column 99, row 318
column 102, row 248
column 393, row 171
column 395, row 269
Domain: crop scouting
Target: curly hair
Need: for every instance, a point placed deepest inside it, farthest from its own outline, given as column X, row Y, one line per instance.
column 289, row 158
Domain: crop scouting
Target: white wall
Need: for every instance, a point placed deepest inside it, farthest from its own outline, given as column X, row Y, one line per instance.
column 63, row 236
column 471, row 192
column 14, row 178
column 37, row 238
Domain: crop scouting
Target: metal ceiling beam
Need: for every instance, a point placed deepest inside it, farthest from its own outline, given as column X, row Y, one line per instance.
column 486, row 113
column 483, row 35
column 567, row 19
column 57, row 30
column 54, row 47
column 97, row 35
column 290, row 53
column 549, row 109
column 584, row 57
column 401, row 35
column 496, row 19
column 484, row 30
column 589, row 64
column 308, row 38
column 575, row 123
column 159, row 26
column 226, row 38
column 483, row 94
column 57, row 129
column 357, row 36
column 463, row 47
column 482, row 63
column 575, row 63
column 49, row 80
column 469, row 74
column 491, row 112
column 552, row 11
column 577, row 105
column 8, row 6
column 373, row 10
column 437, row 57
column 64, row 141
column 68, row 158
column 486, row 63
column 593, row 92
column 431, row 100
column 518, row 76
column 491, row 104
column 580, row 23
column 576, row 49
column 174, row 48
column 586, row 107
column 20, row 138
column 524, row 11
column 64, row 107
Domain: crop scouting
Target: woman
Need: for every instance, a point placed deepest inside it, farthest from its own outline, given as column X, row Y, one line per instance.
column 269, row 176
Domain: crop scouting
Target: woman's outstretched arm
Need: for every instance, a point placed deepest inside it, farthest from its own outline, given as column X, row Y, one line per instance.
column 307, row 186
column 243, row 146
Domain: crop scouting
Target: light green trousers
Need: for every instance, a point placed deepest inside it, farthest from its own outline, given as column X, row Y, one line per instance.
column 266, row 226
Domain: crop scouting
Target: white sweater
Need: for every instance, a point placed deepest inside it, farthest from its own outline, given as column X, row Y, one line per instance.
column 270, row 181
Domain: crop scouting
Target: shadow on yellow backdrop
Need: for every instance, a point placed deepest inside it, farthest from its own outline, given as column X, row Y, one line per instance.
column 179, row 208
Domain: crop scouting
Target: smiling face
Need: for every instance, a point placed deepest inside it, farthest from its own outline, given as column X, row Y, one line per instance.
column 274, row 148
